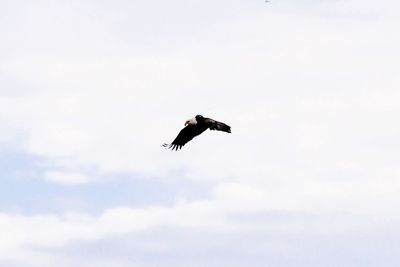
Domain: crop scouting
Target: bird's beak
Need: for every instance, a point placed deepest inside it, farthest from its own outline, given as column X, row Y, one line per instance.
column 187, row 122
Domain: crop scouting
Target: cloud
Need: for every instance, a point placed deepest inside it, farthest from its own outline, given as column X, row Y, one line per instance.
column 66, row 178
column 309, row 100
column 92, row 90
column 235, row 210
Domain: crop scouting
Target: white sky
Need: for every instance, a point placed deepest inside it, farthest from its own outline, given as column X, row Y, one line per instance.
column 89, row 90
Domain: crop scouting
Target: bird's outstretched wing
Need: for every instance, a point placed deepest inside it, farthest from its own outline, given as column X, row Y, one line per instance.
column 184, row 136
column 216, row 125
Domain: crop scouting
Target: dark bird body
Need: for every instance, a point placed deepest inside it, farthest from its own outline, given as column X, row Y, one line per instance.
column 195, row 127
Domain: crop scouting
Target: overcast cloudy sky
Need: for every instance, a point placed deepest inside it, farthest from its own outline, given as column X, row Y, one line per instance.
column 89, row 90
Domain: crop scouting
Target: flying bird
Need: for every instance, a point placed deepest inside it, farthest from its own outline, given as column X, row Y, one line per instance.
column 195, row 127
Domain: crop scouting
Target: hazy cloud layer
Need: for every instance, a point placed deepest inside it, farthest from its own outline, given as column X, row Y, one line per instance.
column 89, row 91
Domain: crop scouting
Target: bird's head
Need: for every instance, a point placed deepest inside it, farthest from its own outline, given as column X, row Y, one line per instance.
column 191, row 121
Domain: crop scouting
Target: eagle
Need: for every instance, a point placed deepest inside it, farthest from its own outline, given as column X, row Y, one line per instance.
column 195, row 127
